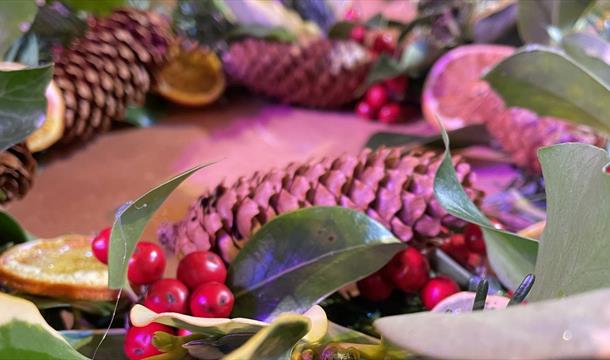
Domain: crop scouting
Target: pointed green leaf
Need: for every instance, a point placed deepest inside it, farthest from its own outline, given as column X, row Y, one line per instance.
column 297, row 259
column 574, row 252
column 99, row 7
column 11, row 233
column 552, row 84
column 536, row 17
column 23, row 104
column 576, row 327
column 591, row 52
column 129, row 225
column 14, row 14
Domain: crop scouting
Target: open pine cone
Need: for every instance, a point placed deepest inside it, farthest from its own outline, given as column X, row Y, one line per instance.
column 392, row 185
column 320, row 73
column 17, row 169
column 108, row 68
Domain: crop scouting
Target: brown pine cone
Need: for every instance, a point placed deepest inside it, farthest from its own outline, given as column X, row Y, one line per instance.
column 320, row 73
column 108, row 68
column 17, row 169
column 392, row 185
column 521, row 133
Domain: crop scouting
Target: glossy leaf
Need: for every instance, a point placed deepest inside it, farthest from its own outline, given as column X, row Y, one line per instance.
column 24, row 334
column 535, row 18
column 14, row 15
column 591, row 52
column 24, row 50
column 576, row 327
column 552, row 84
column 275, row 341
column 130, row 222
column 11, row 233
column 173, row 347
column 511, row 256
column 23, row 103
column 385, row 67
column 299, row 258
column 574, row 253
column 100, row 7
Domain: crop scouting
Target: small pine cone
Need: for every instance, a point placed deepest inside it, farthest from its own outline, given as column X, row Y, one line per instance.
column 320, row 73
column 17, row 169
column 521, row 133
column 108, row 68
column 391, row 185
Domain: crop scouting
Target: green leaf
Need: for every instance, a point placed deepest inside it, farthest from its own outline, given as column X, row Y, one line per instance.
column 172, row 346
column 299, row 258
column 511, row 256
column 13, row 15
column 139, row 116
column 575, row 327
column 591, row 52
column 130, row 222
column 98, row 7
column 24, row 50
column 23, row 103
column 276, row 33
column 535, row 18
column 551, row 84
column 460, row 138
column 275, row 341
column 101, row 308
column 11, row 233
column 385, row 67
column 574, row 253
column 24, row 334
column 341, row 30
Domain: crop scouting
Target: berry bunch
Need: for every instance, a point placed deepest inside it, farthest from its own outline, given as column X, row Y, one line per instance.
column 198, row 289
column 468, row 248
column 408, row 271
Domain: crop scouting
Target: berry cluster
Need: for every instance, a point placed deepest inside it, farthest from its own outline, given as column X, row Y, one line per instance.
column 468, row 248
column 198, row 289
column 408, row 271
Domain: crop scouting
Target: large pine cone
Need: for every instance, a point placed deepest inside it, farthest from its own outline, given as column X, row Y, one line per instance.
column 320, row 73
column 521, row 133
column 17, row 169
column 393, row 186
column 108, row 68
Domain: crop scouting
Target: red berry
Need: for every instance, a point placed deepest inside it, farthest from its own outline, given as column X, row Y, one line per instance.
column 408, row 270
column 389, row 113
column 146, row 265
column 138, row 341
column 396, row 85
column 100, row 245
column 167, row 295
column 358, row 33
column 374, row 287
column 201, row 267
column 383, row 43
column 474, row 239
column 608, row 169
column 212, row 300
column 456, row 248
column 438, row 289
column 364, row 110
column 376, row 96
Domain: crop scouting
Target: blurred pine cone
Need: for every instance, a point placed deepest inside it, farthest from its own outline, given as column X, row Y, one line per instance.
column 108, row 68
column 391, row 185
column 319, row 73
column 521, row 133
column 17, row 169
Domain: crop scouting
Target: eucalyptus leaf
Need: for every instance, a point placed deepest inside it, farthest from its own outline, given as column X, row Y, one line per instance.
column 14, row 14
column 591, row 52
column 512, row 257
column 574, row 253
column 299, row 258
column 23, row 103
column 24, row 334
column 536, row 17
column 552, row 84
column 275, row 341
column 99, row 7
column 130, row 222
column 576, row 327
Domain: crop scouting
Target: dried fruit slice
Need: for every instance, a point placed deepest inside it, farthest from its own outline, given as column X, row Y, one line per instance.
column 191, row 77
column 464, row 300
column 61, row 267
column 52, row 128
column 454, row 90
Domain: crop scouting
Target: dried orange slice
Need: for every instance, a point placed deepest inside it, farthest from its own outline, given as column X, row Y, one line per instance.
column 62, row 267
column 454, row 91
column 192, row 77
column 52, row 128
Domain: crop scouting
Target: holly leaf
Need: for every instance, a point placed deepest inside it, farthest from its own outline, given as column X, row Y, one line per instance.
column 130, row 222
column 511, row 256
column 536, row 18
column 14, row 16
column 23, row 103
column 552, row 84
column 299, row 258
column 574, row 254
column 24, row 334
column 576, row 327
